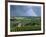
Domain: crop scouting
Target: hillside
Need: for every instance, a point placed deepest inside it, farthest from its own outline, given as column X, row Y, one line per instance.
column 25, row 23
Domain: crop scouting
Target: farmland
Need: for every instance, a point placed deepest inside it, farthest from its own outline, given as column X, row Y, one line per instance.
column 31, row 23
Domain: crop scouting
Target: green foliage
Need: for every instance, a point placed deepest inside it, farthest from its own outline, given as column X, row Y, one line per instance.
column 26, row 28
column 28, row 24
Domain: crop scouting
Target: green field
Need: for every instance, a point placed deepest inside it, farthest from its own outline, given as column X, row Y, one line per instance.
column 30, row 23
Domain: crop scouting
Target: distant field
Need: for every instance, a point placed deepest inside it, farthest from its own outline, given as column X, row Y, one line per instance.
column 25, row 23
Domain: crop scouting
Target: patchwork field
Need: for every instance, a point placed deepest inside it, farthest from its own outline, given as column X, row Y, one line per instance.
column 30, row 23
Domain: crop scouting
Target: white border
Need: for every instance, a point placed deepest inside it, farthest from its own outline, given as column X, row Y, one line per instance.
column 24, row 32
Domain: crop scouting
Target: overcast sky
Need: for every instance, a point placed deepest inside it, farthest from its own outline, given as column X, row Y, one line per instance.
column 23, row 10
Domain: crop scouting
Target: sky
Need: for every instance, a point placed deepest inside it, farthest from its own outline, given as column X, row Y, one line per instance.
column 25, row 10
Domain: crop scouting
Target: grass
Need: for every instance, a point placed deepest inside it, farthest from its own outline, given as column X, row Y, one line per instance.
column 26, row 28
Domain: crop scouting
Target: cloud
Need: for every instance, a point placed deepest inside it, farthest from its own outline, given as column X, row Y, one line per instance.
column 30, row 12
